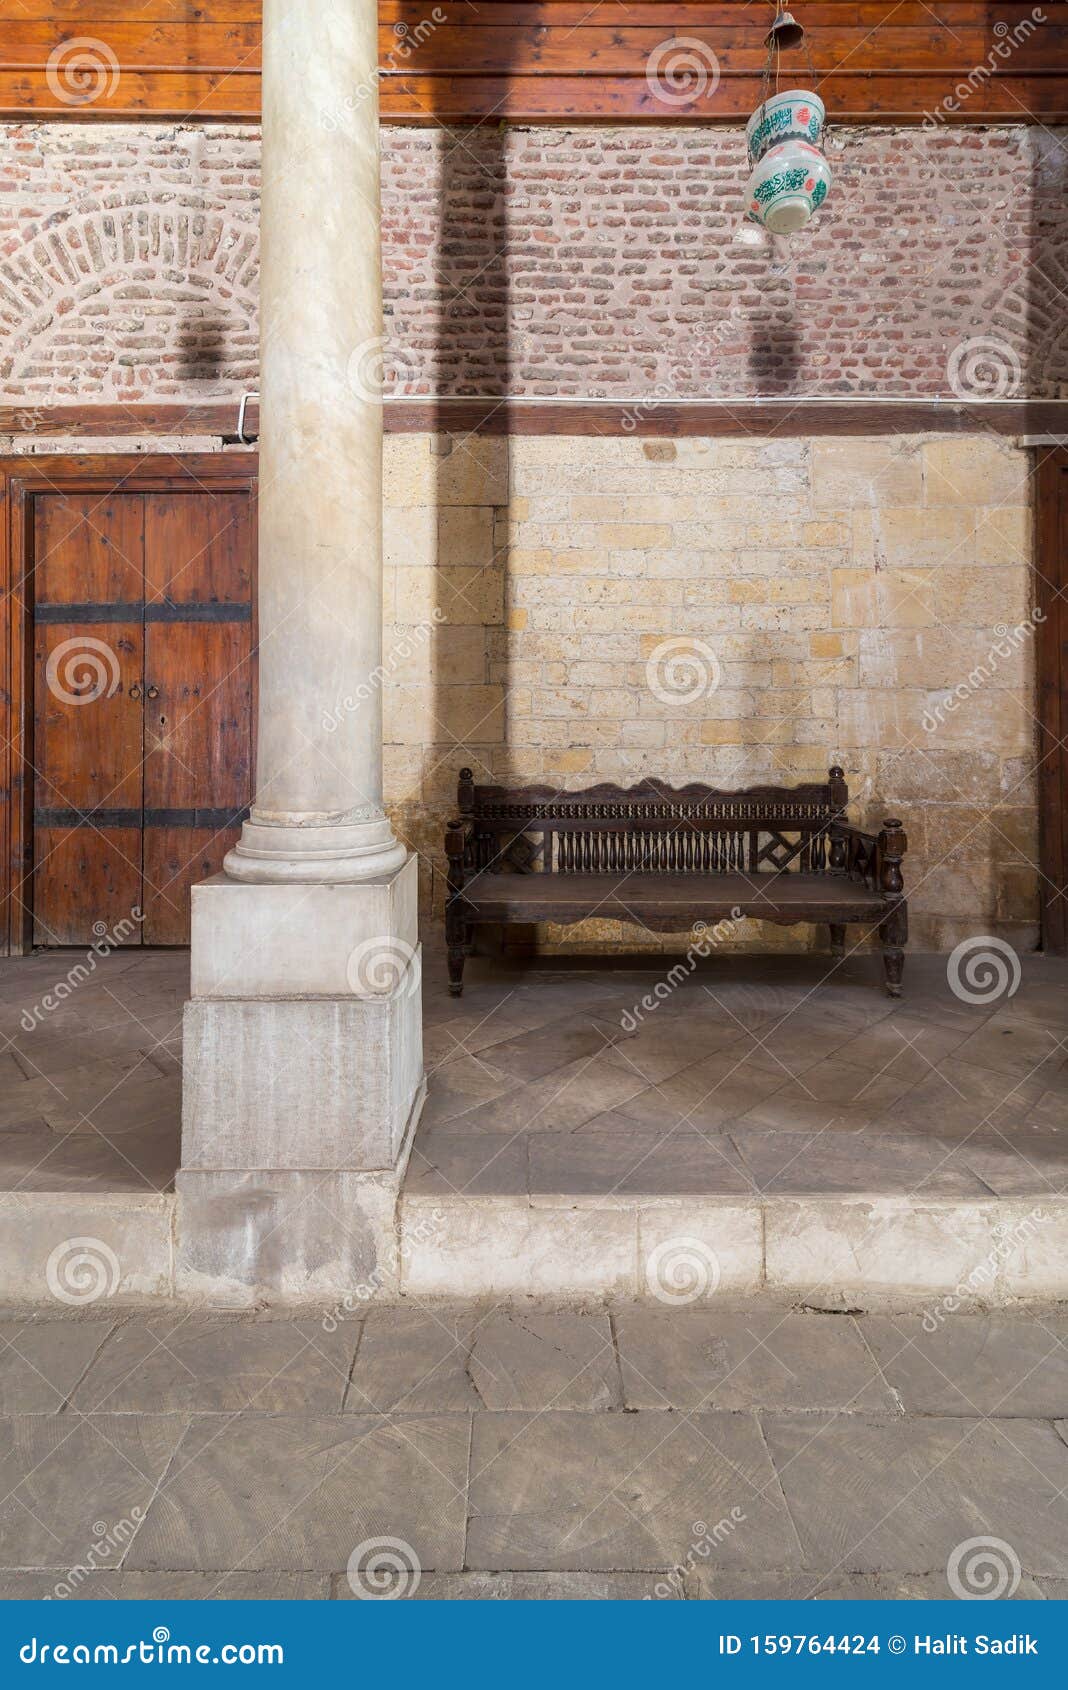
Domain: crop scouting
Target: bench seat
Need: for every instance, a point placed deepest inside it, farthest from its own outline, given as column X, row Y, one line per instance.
column 575, row 897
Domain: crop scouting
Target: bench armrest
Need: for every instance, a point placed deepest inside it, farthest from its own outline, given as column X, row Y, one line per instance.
column 874, row 858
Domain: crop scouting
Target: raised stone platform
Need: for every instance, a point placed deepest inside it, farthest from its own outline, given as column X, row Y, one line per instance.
column 770, row 1124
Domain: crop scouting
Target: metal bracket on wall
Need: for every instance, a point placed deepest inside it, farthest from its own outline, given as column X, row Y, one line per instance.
column 245, row 439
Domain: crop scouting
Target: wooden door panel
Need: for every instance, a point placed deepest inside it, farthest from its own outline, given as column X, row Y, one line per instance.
column 1052, row 661
column 198, row 751
column 139, row 593
column 88, row 715
column 175, row 860
column 87, row 884
column 198, row 548
column 88, row 549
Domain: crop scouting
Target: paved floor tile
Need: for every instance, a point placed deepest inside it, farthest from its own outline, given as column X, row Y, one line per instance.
column 165, row 1587
column 61, row 1476
column 287, row 1494
column 528, row 1587
column 549, row 1048
column 643, row 1161
column 621, row 1492
column 759, row 1358
column 142, row 1162
column 182, row 1364
column 447, row 1164
column 998, row 1365
column 545, row 1361
column 786, row 1164
column 884, row 1495
column 41, row 1361
column 413, row 1360
column 717, row 1585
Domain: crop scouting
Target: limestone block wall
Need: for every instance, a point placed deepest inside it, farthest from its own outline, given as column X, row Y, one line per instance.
column 731, row 611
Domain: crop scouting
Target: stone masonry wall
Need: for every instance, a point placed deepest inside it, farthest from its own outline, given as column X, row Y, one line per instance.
column 594, row 262
column 727, row 611
column 730, row 611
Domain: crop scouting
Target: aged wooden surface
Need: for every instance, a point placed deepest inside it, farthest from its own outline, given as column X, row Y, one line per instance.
column 1051, row 565
column 130, row 641
column 547, row 60
column 671, row 860
column 639, row 418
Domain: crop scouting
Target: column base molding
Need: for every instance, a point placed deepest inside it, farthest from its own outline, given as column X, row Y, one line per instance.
column 269, row 854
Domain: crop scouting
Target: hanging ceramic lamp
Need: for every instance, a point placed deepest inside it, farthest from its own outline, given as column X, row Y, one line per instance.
column 791, row 177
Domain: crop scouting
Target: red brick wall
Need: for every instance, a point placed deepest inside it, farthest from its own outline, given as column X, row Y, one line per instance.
column 548, row 261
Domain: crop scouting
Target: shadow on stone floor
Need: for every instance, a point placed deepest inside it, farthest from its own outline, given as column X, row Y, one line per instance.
column 587, row 1076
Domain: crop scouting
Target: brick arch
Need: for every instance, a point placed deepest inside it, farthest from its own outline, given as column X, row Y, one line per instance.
column 133, row 295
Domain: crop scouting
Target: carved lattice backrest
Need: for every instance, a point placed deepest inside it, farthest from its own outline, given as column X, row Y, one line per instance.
column 650, row 829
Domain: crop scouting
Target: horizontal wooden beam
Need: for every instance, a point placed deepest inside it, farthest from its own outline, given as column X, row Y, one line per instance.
column 551, row 61
column 650, row 418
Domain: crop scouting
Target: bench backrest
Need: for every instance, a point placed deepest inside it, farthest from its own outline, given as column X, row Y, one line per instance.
column 651, row 828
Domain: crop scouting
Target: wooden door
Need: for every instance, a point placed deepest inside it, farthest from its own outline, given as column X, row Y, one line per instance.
column 1052, row 658
column 143, row 707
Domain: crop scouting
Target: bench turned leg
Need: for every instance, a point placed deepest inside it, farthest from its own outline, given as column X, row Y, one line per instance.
column 893, row 934
column 457, row 940
column 837, row 932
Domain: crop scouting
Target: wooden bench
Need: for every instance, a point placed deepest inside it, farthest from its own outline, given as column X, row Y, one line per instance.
column 667, row 858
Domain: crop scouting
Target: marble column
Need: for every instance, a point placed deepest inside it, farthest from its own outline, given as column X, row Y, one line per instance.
column 318, row 811
column 303, row 1072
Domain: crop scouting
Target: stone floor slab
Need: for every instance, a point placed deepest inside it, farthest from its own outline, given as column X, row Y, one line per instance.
column 165, row 1587
column 543, row 1361
column 301, row 1494
column 621, row 1492
column 828, row 1160
column 759, row 1358
column 714, row 1585
column 184, row 1363
column 964, row 1364
column 608, row 1160
column 41, row 1361
column 61, row 1476
column 883, row 1495
column 413, row 1361
column 527, row 1587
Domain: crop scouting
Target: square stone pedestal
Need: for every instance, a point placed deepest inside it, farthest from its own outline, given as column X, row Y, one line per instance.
column 303, row 1081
